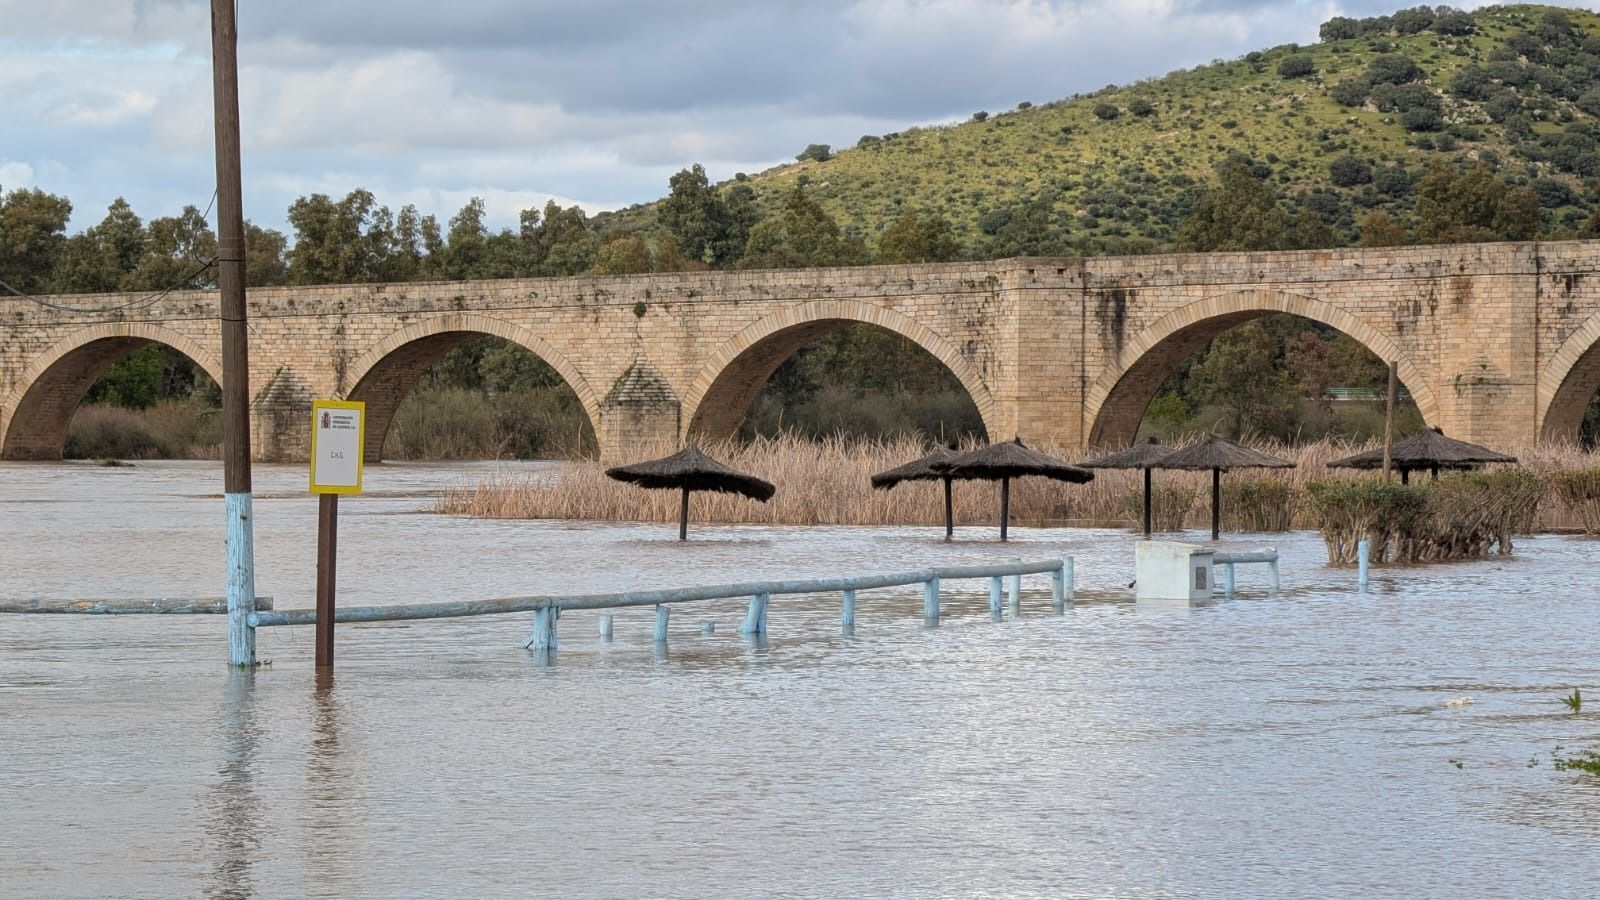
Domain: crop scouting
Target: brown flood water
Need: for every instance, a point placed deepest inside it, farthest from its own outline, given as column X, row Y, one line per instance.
column 1301, row 745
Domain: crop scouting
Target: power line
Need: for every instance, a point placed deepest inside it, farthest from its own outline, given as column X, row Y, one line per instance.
column 131, row 304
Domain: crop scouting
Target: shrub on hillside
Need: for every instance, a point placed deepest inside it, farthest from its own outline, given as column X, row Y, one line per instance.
column 1106, row 111
column 1297, row 66
column 1349, row 171
column 1393, row 68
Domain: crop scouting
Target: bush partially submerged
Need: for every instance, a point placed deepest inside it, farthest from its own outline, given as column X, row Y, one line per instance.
column 1462, row 516
column 1258, row 504
column 1580, row 490
column 1169, row 506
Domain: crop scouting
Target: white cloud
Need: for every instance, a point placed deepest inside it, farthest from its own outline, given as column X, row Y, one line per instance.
column 14, row 174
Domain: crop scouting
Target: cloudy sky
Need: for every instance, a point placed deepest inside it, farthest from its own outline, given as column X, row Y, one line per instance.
column 519, row 101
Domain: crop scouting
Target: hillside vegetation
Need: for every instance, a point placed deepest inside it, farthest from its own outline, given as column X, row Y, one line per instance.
column 1338, row 128
column 1425, row 126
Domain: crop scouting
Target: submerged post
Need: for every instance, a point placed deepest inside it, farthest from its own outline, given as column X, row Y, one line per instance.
column 327, row 577
column 1227, row 579
column 1272, row 571
column 995, row 588
column 1016, row 593
column 239, row 530
column 1058, row 588
column 755, row 619
column 662, row 613
column 930, row 600
column 605, row 627
column 1069, row 571
column 1363, row 551
column 847, row 612
column 543, row 635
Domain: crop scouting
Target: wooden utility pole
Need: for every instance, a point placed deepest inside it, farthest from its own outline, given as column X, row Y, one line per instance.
column 235, row 347
column 1388, row 420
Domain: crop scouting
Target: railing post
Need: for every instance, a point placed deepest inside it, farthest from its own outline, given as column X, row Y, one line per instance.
column 994, row 595
column 930, row 600
column 1227, row 579
column 755, row 620
column 1272, row 572
column 605, row 627
column 543, row 636
column 847, row 614
column 1363, row 551
column 1058, row 588
column 662, row 613
column 1069, row 570
column 1016, row 593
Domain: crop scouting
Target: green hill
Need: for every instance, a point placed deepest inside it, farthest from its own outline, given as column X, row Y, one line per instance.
column 1338, row 128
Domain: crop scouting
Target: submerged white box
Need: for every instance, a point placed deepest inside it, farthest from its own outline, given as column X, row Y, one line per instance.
column 1169, row 570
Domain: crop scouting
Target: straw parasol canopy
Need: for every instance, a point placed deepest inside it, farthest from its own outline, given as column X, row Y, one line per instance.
column 1142, row 455
column 1219, row 454
column 690, row 470
column 922, row 469
column 1428, row 450
column 1007, row 460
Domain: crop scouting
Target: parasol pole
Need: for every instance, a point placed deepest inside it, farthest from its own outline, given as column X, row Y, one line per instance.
column 1388, row 419
column 1005, row 506
column 949, row 513
column 1216, row 503
column 1147, row 503
column 683, row 516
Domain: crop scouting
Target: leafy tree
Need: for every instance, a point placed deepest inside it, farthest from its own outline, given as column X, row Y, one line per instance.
column 1239, row 374
column 102, row 257
column 1338, row 28
column 560, row 242
column 1141, row 107
column 1106, row 111
column 625, row 255
column 818, row 152
column 980, row 116
column 1296, row 66
column 1242, row 213
column 1379, row 229
column 1351, row 92
column 177, row 249
column 1455, row 207
column 700, row 219
column 265, row 259
column 802, row 234
column 1393, row 68
column 914, row 238
column 1349, row 171
column 332, row 244
column 33, row 227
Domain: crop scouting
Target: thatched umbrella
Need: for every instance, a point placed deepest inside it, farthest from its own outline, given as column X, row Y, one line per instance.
column 1219, row 454
column 921, row 469
column 1005, row 461
column 1142, row 455
column 1428, row 450
column 690, row 470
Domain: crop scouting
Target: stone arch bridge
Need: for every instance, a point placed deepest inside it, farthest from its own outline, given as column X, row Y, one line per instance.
column 1498, row 343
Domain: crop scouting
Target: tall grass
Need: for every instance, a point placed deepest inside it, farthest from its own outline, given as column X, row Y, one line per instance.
column 826, row 482
column 457, row 423
column 172, row 429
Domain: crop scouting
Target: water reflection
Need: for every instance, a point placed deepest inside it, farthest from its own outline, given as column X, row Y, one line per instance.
column 232, row 824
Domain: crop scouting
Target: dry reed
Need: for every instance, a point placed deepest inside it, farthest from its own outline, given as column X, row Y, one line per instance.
column 825, row 482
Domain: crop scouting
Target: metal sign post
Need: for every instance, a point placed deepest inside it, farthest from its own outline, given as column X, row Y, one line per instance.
column 338, row 430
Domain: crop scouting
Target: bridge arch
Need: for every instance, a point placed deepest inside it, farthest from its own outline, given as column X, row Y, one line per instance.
column 1568, row 382
column 35, row 418
column 1116, row 401
column 720, row 396
column 385, row 374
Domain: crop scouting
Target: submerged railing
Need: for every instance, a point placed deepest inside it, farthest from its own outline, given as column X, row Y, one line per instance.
column 179, row 606
column 547, row 609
